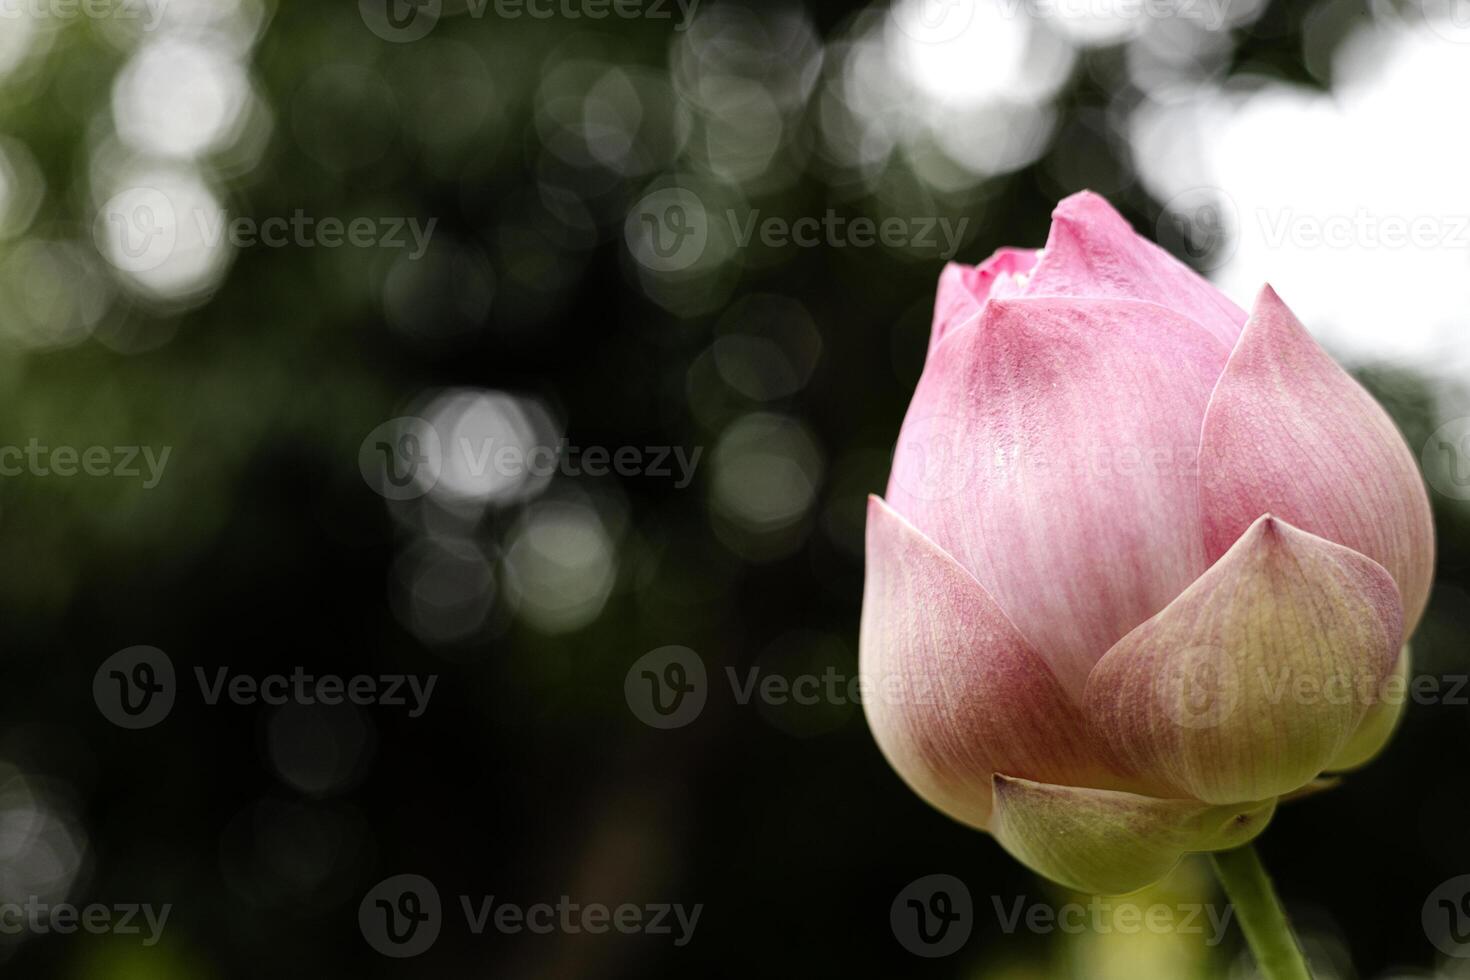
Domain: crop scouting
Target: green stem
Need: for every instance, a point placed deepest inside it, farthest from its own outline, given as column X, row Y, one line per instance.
column 1260, row 914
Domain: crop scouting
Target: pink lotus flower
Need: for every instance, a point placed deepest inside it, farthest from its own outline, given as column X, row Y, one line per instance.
column 1145, row 565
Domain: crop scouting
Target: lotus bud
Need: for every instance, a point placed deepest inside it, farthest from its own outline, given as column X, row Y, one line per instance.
column 1145, row 564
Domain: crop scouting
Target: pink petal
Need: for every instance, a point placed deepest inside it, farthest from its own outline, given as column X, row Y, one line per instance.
column 1110, row 843
column 1290, row 433
column 1259, row 675
column 963, row 289
column 1093, row 251
column 952, row 692
column 1051, row 449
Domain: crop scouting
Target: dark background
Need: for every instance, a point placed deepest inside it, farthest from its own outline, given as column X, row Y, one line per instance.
column 528, row 777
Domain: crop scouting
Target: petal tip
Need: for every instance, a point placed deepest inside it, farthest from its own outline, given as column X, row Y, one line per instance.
column 953, row 275
column 1272, row 532
column 1268, row 300
column 881, row 516
column 1083, row 214
column 1084, row 203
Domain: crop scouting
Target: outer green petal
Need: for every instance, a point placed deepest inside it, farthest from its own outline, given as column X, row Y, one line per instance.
column 1108, row 842
column 1379, row 724
column 1257, row 677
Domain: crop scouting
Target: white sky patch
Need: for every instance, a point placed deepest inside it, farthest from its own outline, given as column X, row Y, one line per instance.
column 1353, row 203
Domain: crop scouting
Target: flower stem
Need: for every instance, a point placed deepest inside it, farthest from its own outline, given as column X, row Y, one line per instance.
column 1261, row 916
